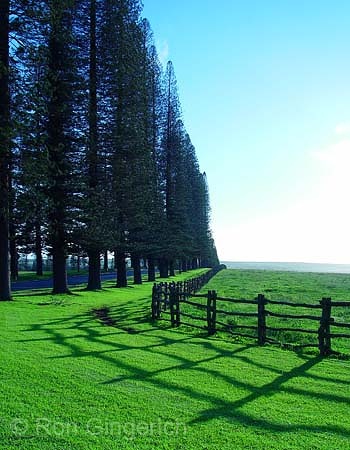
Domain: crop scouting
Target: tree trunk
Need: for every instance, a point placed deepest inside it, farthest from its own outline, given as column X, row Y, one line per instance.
column 122, row 280
column 59, row 269
column 194, row 263
column 60, row 284
column 171, row 268
column 184, row 265
column 5, row 285
column 13, row 253
column 94, row 279
column 163, row 268
column 136, row 265
column 151, row 269
column 38, row 250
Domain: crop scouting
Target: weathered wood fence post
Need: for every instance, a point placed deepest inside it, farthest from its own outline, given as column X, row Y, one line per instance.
column 211, row 312
column 261, row 319
column 157, row 292
column 174, row 303
column 324, row 337
column 178, row 291
column 166, row 292
column 154, row 302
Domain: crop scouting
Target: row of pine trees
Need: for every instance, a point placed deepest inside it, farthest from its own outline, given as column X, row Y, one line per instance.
column 94, row 156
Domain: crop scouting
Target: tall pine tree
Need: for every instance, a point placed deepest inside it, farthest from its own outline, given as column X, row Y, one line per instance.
column 60, row 134
column 5, row 287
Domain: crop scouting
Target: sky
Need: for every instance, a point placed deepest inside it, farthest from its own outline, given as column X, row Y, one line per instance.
column 265, row 92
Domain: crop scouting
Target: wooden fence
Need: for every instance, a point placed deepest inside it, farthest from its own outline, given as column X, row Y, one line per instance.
column 169, row 300
column 166, row 293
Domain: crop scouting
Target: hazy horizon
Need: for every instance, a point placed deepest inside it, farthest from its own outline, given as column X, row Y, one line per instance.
column 283, row 262
column 289, row 266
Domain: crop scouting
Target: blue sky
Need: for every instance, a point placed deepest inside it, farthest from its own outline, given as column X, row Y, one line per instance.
column 265, row 91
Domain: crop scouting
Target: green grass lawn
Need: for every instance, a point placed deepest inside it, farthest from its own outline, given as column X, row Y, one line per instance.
column 32, row 276
column 68, row 381
column 287, row 286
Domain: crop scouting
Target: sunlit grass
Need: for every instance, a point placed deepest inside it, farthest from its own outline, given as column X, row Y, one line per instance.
column 291, row 286
column 70, row 382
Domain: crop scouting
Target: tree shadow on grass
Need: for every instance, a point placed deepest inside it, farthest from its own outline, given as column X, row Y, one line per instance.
column 162, row 351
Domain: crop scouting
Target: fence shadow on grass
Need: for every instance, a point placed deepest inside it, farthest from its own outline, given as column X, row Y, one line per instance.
column 162, row 350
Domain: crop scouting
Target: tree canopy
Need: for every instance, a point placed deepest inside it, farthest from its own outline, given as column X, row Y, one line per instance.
column 94, row 154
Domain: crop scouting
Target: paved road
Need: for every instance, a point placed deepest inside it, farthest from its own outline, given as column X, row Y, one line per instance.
column 72, row 281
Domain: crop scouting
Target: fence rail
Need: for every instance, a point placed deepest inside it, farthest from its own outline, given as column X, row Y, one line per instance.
column 172, row 297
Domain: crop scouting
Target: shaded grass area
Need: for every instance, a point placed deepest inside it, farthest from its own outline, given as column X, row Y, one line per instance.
column 71, row 380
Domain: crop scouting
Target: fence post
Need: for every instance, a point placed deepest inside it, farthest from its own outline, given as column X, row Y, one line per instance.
column 261, row 319
column 213, row 312
column 167, row 295
column 324, row 338
column 173, row 300
column 177, row 307
column 209, row 312
column 159, row 301
column 154, row 302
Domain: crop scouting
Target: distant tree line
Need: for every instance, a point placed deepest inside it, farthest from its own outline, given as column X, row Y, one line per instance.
column 94, row 155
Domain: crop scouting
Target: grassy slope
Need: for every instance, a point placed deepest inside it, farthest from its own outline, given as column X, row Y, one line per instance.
column 291, row 286
column 58, row 363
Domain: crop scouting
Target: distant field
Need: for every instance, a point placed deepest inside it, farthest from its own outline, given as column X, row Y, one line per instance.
column 290, row 266
column 73, row 378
